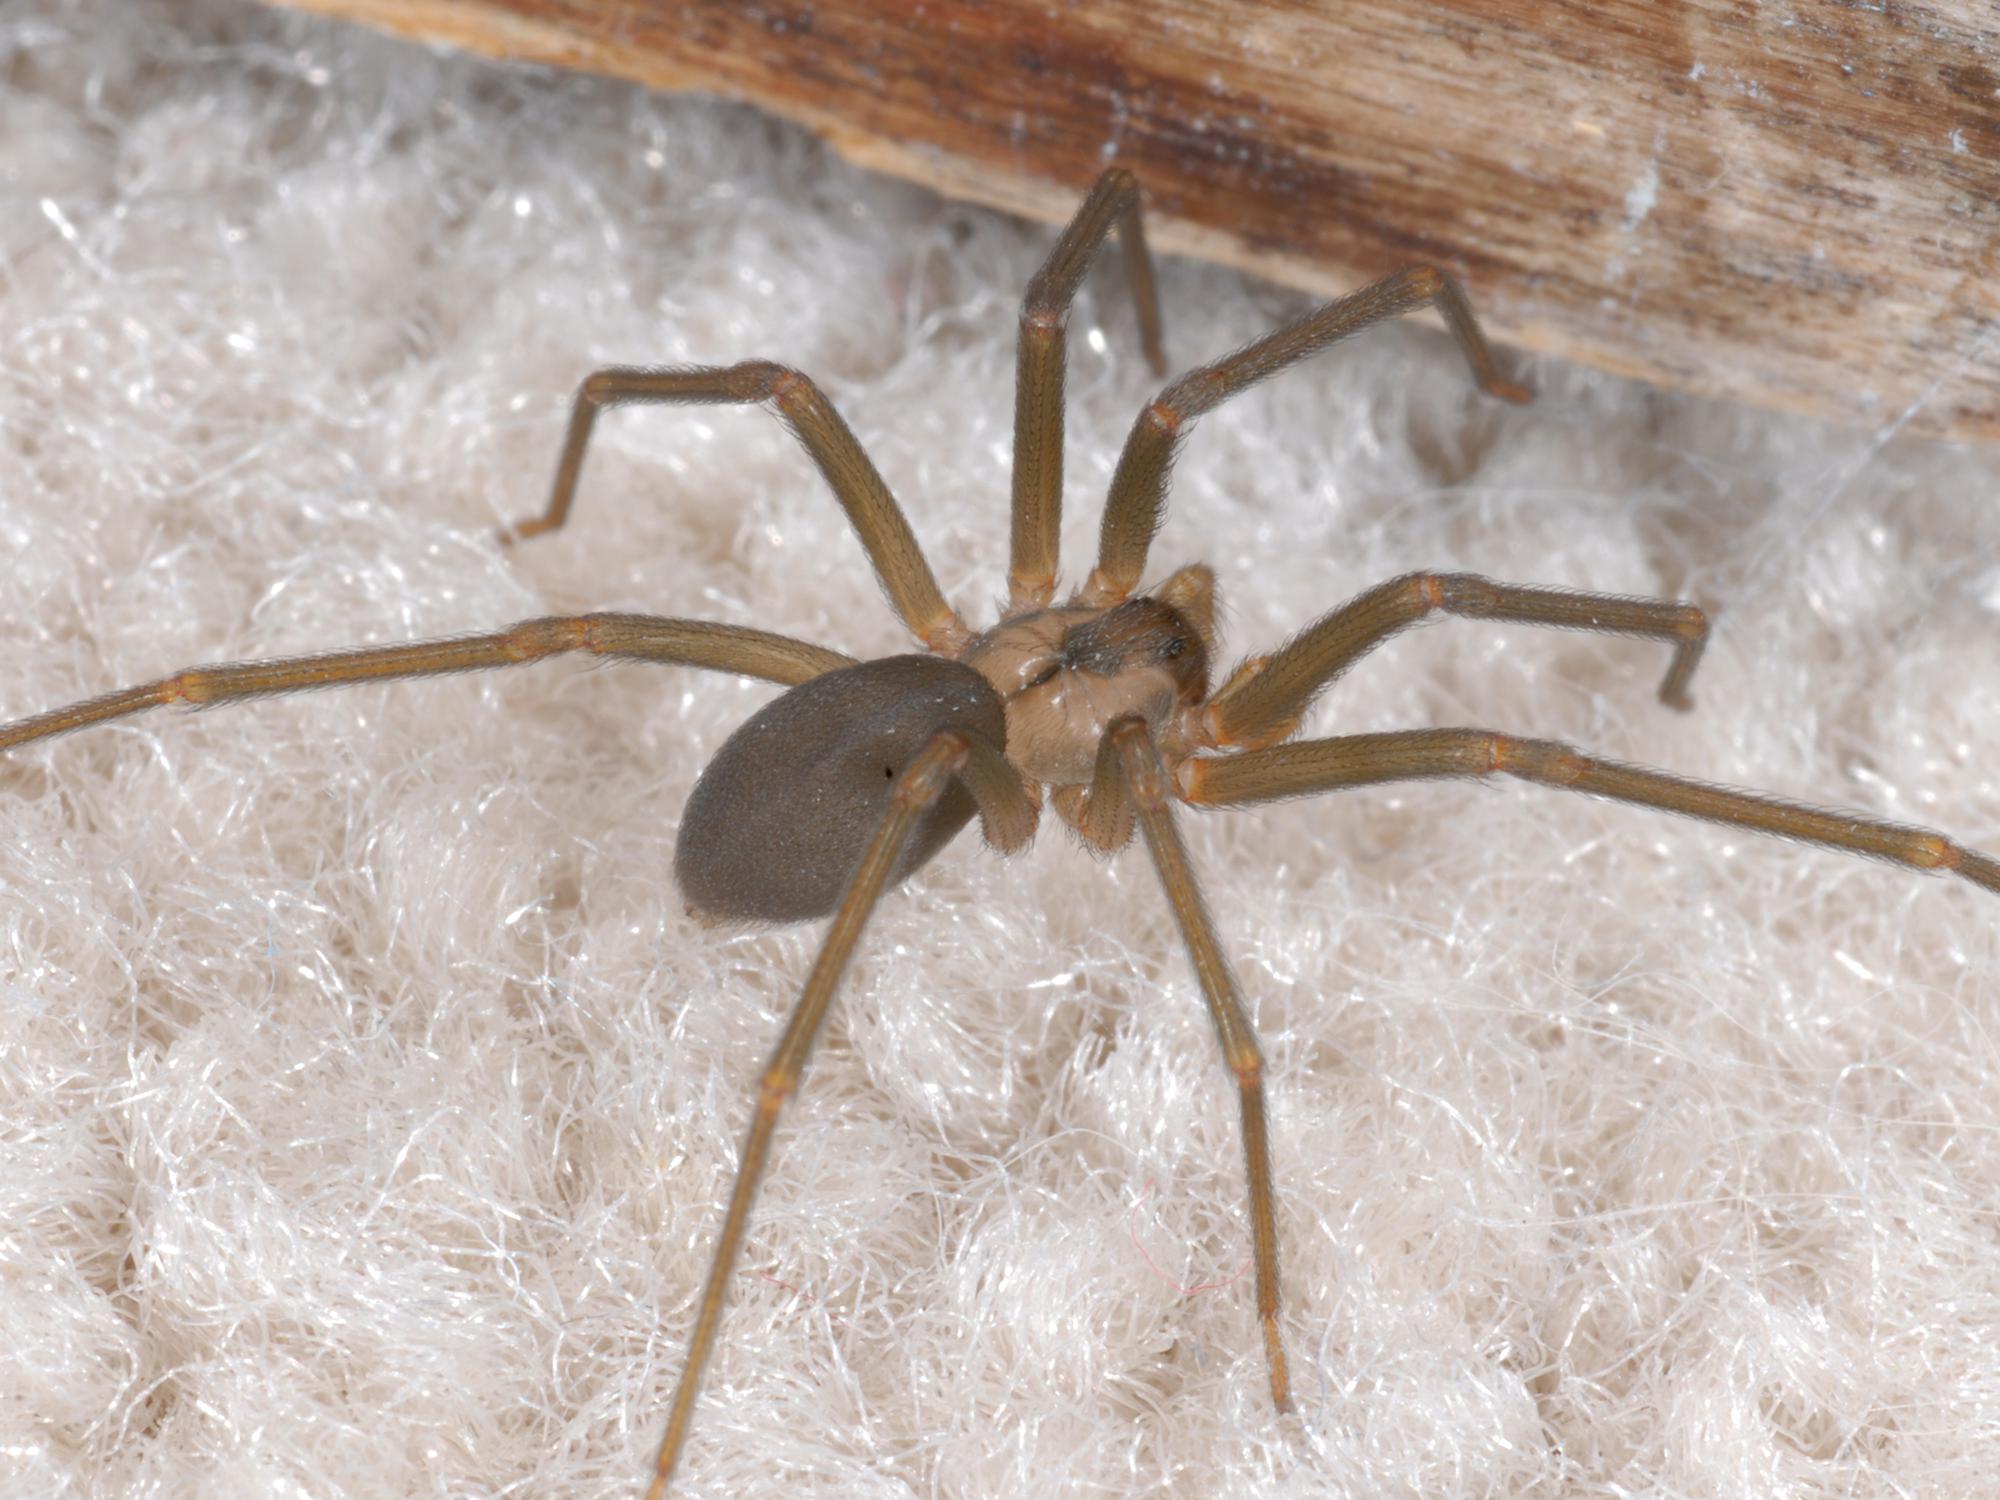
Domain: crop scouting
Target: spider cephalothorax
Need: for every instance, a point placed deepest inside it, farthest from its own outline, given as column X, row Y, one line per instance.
column 861, row 772
column 1068, row 673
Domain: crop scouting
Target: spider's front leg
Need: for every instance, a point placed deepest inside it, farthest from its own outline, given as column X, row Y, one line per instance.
column 1138, row 498
column 861, row 490
column 1131, row 784
column 1352, row 760
column 1266, row 697
column 1038, row 377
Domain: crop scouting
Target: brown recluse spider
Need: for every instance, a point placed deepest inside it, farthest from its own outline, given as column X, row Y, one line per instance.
column 850, row 781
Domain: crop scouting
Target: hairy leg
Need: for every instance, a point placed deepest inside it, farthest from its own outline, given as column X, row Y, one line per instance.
column 1266, row 697
column 1038, row 381
column 1005, row 807
column 693, row 643
column 1138, row 496
column 1367, row 759
column 1130, row 784
column 879, row 521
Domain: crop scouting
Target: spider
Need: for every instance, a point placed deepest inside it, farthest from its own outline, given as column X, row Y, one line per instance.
column 1105, row 705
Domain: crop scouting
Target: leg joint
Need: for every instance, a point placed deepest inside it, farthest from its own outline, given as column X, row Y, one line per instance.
column 1935, row 852
column 1188, row 778
column 188, row 687
column 1691, row 622
column 533, row 639
column 774, row 1088
column 1163, row 415
column 1044, row 318
column 1247, row 1063
column 762, row 380
column 1546, row 761
column 1140, row 757
column 1467, row 594
column 1424, row 280
column 922, row 780
column 1031, row 590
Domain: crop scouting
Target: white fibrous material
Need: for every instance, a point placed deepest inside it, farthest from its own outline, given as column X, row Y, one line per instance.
column 370, row 1099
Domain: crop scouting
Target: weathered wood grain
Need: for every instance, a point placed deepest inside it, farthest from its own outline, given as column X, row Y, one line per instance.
column 1789, row 205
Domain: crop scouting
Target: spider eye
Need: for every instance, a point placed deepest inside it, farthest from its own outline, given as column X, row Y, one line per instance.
column 888, row 773
column 1175, row 647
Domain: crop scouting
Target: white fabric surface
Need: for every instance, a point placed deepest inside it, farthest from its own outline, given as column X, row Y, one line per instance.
column 369, row 1099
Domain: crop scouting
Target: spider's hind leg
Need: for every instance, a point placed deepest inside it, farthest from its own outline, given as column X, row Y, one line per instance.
column 1007, row 811
column 692, row 643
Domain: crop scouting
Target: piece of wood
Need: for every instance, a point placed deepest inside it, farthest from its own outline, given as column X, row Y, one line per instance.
column 1794, row 206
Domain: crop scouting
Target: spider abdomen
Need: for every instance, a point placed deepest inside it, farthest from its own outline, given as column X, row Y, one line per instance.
column 777, row 824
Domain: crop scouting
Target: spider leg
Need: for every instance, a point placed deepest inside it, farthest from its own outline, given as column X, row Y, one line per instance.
column 1005, row 806
column 1139, row 485
column 1131, row 782
column 884, row 531
column 1038, row 378
column 1366, row 759
column 1265, row 698
column 693, row 643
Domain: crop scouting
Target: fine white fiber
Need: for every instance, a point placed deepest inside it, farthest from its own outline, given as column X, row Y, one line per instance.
column 369, row 1100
